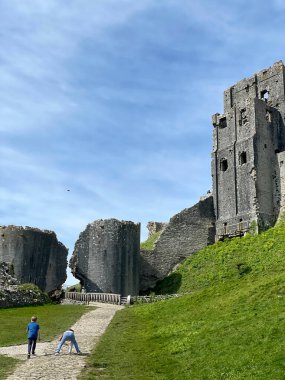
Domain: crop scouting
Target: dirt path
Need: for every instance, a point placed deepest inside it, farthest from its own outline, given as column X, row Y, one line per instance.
column 45, row 365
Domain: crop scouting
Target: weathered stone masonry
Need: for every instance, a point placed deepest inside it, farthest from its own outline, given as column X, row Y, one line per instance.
column 187, row 232
column 37, row 256
column 248, row 150
column 106, row 256
column 154, row 227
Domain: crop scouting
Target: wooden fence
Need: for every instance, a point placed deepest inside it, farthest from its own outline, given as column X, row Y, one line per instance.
column 117, row 299
column 94, row 297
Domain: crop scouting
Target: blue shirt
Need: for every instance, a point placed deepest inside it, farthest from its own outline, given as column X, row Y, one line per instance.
column 33, row 329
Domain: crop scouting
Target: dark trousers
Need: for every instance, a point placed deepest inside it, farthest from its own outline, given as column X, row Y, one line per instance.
column 32, row 345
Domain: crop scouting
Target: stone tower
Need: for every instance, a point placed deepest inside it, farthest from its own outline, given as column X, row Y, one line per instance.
column 106, row 257
column 248, row 154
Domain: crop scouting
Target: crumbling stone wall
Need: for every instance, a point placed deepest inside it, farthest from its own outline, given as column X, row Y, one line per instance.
column 36, row 255
column 106, row 257
column 154, row 227
column 7, row 276
column 280, row 192
column 186, row 233
column 13, row 294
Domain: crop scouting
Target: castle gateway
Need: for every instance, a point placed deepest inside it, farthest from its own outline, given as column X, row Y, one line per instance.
column 248, row 154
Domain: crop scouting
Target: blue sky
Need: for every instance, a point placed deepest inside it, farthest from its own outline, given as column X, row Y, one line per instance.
column 112, row 100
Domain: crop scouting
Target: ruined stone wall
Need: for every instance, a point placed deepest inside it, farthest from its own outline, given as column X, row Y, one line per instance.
column 12, row 294
column 7, row 276
column 154, row 227
column 106, row 257
column 16, row 296
column 36, row 255
column 280, row 194
column 187, row 232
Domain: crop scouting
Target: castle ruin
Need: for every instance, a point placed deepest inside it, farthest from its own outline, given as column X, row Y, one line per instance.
column 248, row 154
column 106, row 255
column 248, row 176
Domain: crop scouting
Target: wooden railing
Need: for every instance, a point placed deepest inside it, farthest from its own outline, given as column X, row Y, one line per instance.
column 117, row 299
column 94, row 297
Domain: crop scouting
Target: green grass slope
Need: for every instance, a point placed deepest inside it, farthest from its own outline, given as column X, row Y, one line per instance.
column 231, row 327
column 149, row 244
column 250, row 256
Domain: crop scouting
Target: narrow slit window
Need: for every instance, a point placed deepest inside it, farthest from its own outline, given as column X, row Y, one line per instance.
column 243, row 117
column 223, row 164
column 223, row 122
column 242, row 158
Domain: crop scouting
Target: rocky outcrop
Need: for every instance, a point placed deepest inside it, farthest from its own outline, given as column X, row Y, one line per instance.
column 36, row 256
column 106, row 257
column 186, row 233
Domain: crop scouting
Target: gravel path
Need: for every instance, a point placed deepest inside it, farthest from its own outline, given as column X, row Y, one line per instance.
column 45, row 365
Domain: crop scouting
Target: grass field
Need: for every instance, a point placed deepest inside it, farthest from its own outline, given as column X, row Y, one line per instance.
column 53, row 320
column 6, row 366
column 231, row 327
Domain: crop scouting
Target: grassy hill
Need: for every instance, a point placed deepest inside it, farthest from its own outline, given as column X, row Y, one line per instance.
column 231, row 327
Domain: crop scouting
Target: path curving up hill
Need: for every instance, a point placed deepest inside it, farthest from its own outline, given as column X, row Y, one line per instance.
column 46, row 366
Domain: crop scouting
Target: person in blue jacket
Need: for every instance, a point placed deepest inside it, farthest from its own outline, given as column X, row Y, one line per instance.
column 68, row 336
column 33, row 330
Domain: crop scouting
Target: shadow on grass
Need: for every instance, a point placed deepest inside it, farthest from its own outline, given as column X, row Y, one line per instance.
column 169, row 285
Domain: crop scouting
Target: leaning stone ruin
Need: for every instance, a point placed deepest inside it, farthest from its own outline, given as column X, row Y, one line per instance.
column 36, row 256
column 248, row 154
column 106, row 255
column 187, row 232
